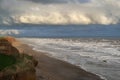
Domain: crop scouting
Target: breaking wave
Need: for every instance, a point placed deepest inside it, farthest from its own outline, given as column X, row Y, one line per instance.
column 99, row 56
column 9, row 32
column 60, row 12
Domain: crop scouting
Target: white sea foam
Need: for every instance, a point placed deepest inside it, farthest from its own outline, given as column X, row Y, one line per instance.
column 96, row 50
column 9, row 32
column 97, row 56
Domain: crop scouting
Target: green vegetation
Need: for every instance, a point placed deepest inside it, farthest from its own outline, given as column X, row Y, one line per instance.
column 1, row 37
column 6, row 60
column 10, row 64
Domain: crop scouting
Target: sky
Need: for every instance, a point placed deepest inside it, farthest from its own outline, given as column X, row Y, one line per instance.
column 59, row 1
column 60, row 11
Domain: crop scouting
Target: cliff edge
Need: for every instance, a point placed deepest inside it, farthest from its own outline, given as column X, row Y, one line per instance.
column 15, row 65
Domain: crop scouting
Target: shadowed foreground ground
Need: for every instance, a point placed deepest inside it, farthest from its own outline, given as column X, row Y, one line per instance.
column 52, row 69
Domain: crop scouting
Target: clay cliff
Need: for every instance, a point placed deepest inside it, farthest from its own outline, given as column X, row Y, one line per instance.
column 13, row 64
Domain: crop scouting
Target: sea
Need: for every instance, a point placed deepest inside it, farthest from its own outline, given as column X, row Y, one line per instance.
column 95, row 47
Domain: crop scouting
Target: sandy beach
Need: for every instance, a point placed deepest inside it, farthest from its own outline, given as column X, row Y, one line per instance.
column 52, row 69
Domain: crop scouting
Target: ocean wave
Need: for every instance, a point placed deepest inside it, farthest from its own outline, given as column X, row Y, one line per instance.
column 9, row 32
column 94, row 49
column 60, row 12
column 97, row 56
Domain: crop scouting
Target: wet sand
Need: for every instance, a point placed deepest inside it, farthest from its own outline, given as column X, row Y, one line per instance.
column 52, row 69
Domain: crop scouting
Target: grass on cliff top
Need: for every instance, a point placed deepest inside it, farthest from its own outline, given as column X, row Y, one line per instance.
column 1, row 37
column 6, row 60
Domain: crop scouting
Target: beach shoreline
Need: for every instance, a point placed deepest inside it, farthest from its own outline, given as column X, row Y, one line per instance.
column 50, row 68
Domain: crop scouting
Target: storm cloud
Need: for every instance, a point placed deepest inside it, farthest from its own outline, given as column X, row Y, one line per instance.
column 60, row 11
column 49, row 1
column 59, row 1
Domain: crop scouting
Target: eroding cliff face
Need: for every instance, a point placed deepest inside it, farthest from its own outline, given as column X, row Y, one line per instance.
column 18, row 66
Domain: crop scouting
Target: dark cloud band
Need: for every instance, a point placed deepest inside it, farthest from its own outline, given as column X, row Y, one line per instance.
column 59, row 1
column 49, row 1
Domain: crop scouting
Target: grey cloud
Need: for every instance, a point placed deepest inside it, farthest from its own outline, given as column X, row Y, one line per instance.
column 49, row 1
column 59, row 1
column 84, row 1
